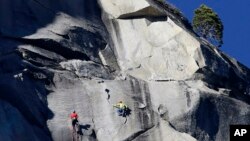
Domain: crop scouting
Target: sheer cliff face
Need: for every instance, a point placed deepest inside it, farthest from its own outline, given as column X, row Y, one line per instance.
column 86, row 55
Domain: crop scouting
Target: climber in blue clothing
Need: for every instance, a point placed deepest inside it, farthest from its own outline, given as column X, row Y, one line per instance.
column 121, row 108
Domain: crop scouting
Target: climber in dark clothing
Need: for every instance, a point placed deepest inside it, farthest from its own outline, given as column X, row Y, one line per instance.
column 74, row 119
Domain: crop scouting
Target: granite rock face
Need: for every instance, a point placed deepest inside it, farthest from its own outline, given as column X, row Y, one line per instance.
column 86, row 55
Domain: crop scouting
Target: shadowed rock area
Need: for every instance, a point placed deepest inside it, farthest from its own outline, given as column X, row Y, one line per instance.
column 86, row 55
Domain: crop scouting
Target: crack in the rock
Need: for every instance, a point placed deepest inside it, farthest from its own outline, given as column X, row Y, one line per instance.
column 108, row 98
column 65, row 36
column 53, row 46
column 139, row 133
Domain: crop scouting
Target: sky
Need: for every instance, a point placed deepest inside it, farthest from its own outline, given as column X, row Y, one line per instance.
column 235, row 15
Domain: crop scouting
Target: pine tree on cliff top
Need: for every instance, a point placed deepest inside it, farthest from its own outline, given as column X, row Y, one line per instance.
column 207, row 24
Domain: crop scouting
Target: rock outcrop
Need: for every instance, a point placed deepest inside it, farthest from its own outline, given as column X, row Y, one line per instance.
column 86, row 55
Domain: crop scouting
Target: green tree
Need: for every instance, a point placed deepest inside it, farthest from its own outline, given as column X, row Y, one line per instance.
column 207, row 24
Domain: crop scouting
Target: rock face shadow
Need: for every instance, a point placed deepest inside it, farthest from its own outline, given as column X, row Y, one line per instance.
column 85, row 131
column 126, row 112
column 207, row 118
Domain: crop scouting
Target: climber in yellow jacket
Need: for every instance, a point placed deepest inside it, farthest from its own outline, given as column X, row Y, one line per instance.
column 121, row 107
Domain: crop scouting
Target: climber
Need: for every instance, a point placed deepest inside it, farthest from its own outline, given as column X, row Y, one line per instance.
column 121, row 108
column 74, row 119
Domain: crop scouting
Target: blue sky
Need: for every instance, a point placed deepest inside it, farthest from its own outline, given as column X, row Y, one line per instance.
column 235, row 15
